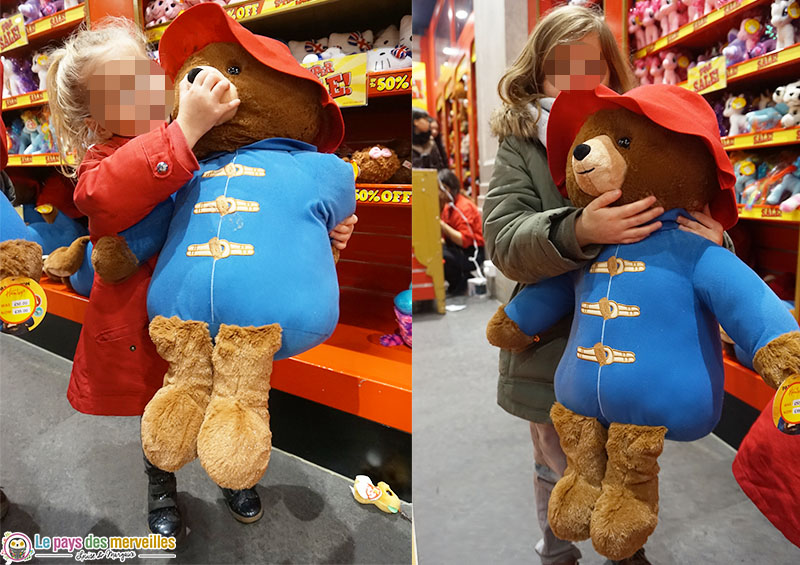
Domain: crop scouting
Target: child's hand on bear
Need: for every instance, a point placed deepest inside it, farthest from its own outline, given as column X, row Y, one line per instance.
column 341, row 233
column 204, row 103
column 603, row 224
column 705, row 226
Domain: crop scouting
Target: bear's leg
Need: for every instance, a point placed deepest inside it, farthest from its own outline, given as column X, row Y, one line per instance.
column 583, row 440
column 503, row 332
column 66, row 261
column 172, row 418
column 235, row 441
column 627, row 512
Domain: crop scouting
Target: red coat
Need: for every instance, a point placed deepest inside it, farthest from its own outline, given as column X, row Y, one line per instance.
column 117, row 370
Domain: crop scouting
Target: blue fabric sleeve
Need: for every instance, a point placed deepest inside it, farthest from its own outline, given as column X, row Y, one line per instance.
column 748, row 310
column 539, row 306
column 82, row 279
column 147, row 237
column 337, row 185
column 11, row 224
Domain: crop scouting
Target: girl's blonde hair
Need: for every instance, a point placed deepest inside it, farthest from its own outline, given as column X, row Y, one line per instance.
column 68, row 77
column 523, row 83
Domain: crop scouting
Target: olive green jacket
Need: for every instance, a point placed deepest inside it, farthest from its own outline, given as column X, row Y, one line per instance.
column 529, row 228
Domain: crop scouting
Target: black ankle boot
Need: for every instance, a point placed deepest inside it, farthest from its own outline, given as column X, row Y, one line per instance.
column 163, row 515
column 245, row 505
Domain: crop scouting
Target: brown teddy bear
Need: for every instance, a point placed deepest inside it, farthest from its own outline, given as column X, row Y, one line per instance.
column 403, row 149
column 247, row 259
column 376, row 164
column 643, row 360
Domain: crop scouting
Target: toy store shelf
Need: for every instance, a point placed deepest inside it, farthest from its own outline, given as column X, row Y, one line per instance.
column 57, row 24
column 769, row 138
column 37, row 160
column 64, row 302
column 704, row 31
column 778, row 64
column 290, row 19
column 383, row 194
column 36, row 98
column 352, row 372
column 771, row 213
column 746, row 385
column 389, row 83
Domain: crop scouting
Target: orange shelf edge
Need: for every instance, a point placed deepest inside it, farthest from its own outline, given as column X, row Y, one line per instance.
column 350, row 372
column 746, row 385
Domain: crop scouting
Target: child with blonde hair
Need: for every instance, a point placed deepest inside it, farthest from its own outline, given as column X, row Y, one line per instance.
column 533, row 232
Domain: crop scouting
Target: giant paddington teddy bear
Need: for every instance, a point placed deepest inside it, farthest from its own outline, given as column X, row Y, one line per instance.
column 643, row 360
column 247, row 273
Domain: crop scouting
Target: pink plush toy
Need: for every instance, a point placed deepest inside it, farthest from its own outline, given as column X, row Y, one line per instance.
column 694, row 9
column 642, row 72
column 50, row 7
column 172, row 8
column 656, row 69
column 669, row 62
column 651, row 32
column 709, row 6
column 635, row 27
column 154, row 12
column 671, row 15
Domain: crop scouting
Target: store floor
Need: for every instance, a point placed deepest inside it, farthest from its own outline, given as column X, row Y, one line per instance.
column 68, row 474
column 473, row 469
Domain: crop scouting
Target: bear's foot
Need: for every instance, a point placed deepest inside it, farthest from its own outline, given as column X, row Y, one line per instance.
column 20, row 258
column 572, row 501
column 65, row 261
column 113, row 260
column 172, row 418
column 627, row 511
column 235, row 441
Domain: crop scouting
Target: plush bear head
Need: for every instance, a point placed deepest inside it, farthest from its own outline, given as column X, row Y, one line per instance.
column 657, row 140
column 279, row 98
column 376, row 164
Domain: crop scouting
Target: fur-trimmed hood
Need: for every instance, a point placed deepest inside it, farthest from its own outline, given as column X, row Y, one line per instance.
column 521, row 121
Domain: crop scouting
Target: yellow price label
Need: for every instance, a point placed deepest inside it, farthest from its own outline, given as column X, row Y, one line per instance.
column 786, row 406
column 23, row 304
column 391, row 83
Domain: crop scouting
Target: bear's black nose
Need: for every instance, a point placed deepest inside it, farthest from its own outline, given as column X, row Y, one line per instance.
column 191, row 75
column 581, row 151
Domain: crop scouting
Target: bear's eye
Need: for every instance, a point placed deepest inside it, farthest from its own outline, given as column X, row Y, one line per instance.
column 233, row 70
column 624, row 142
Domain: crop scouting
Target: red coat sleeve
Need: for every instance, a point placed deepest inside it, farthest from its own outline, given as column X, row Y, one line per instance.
column 3, row 148
column 117, row 188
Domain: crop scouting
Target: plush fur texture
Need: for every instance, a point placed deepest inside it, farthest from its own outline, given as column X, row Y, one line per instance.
column 172, row 418
column 627, row 511
column 112, row 259
column 295, row 111
column 375, row 171
column 583, row 440
column 20, row 258
column 779, row 359
column 503, row 332
column 235, row 441
column 65, row 261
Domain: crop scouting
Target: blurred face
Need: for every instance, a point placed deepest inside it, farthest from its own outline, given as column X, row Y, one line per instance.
column 434, row 128
column 575, row 66
column 130, row 95
column 422, row 124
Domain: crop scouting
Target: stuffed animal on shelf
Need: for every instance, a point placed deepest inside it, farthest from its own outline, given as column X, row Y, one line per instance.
column 33, row 127
column 253, row 221
column 405, row 38
column 781, row 19
column 746, row 172
column 403, row 174
column 329, row 53
column 642, row 71
column 71, row 3
column 651, row 31
column 385, row 58
column 767, row 116
column 709, row 6
column 671, row 15
column 620, row 390
column 734, row 111
column 669, row 62
column 154, row 13
column 39, row 65
column 791, row 97
column 788, row 187
column 301, row 49
column 635, row 27
column 50, row 7
column 656, row 70
column 389, row 37
column 351, row 43
column 376, row 164
column 694, row 9
column 31, row 10
column 18, row 78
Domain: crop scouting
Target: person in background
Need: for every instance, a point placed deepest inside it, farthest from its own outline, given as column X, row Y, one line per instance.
column 462, row 233
column 533, row 232
column 424, row 152
column 436, row 134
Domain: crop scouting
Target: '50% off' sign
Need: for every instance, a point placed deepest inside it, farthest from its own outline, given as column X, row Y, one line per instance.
column 384, row 196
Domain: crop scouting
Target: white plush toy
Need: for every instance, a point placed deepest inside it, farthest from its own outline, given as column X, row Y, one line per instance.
column 300, row 49
column 352, row 43
column 389, row 37
column 734, row 111
column 782, row 21
column 405, row 32
column 7, row 70
column 791, row 97
column 329, row 53
column 71, row 3
column 389, row 58
column 40, row 64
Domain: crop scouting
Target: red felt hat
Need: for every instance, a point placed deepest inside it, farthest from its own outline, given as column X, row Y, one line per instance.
column 671, row 107
column 208, row 23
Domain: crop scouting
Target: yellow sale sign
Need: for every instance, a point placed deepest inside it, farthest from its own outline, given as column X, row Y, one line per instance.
column 12, row 33
column 345, row 78
column 708, row 76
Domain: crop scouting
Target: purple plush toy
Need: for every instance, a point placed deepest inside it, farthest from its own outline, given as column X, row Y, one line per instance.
column 31, row 10
column 24, row 72
column 50, row 7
